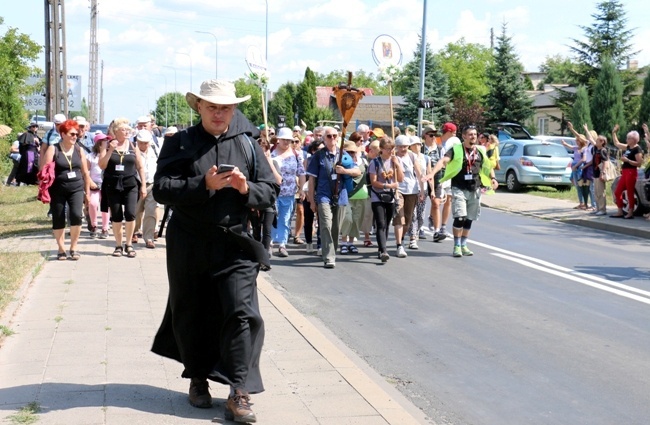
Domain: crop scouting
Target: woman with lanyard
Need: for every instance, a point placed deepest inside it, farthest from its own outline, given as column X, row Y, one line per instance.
column 71, row 179
column 385, row 173
column 121, row 184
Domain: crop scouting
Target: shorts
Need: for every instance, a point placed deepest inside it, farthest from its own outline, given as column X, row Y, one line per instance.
column 404, row 207
column 466, row 203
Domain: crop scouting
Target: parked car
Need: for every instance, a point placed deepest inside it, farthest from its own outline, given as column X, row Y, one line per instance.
column 101, row 127
column 43, row 124
column 641, row 194
column 558, row 140
column 508, row 130
column 533, row 163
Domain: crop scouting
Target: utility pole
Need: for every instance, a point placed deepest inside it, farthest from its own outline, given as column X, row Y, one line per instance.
column 56, row 73
column 93, row 62
column 101, row 96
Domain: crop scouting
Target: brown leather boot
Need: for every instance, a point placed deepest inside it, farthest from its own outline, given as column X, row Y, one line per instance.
column 199, row 394
column 238, row 409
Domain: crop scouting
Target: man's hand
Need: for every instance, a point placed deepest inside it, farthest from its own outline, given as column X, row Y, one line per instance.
column 215, row 181
column 616, row 127
column 238, row 181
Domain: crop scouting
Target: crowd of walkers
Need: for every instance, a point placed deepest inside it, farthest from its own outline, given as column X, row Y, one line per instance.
column 371, row 183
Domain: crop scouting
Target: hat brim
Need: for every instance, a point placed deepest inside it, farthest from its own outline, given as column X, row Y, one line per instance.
column 192, row 99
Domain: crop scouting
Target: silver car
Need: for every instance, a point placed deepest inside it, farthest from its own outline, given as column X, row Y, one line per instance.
column 534, row 163
column 641, row 195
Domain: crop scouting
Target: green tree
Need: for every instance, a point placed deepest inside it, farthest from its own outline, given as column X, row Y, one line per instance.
column 360, row 79
column 644, row 110
column 436, row 88
column 580, row 112
column 83, row 112
column 252, row 108
column 608, row 37
column 507, row 99
column 607, row 100
column 171, row 108
column 305, row 104
column 466, row 67
column 17, row 53
column 558, row 70
column 283, row 104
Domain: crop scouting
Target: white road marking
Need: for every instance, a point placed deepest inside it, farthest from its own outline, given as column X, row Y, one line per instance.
column 570, row 274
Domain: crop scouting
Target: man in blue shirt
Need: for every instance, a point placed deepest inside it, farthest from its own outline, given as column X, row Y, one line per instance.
column 52, row 137
column 323, row 173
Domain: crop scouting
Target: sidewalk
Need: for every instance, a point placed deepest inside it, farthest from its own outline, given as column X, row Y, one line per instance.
column 83, row 331
column 562, row 210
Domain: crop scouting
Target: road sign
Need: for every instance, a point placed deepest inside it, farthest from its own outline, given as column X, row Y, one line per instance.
column 36, row 100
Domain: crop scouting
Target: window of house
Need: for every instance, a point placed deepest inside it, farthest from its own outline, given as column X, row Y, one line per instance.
column 542, row 126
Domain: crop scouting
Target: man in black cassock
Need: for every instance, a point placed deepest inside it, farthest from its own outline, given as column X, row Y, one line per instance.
column 212, row 323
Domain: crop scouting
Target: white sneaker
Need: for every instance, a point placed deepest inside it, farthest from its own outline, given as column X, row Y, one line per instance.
column 413, row 244
column 320, row 251
column 310, row 248
column 401, row 253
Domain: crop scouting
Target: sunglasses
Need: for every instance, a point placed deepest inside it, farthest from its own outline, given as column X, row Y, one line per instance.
column 331, row 136
column 73, row 134
column 430, row 134
column 295, row 142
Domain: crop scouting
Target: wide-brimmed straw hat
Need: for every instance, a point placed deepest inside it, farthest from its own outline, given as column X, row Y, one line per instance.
column 219, row 92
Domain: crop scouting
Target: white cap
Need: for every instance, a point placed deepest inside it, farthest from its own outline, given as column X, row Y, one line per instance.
column 144, row 119
column 81, row 120
column 297, row 128
column 143, row 136
column 402, row 140
column 171, row 130
column 59, row 119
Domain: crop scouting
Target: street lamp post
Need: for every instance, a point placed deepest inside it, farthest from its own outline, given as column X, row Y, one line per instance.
column 175, row 92
column 190, row 57
column 216, row 53
column 166, row 99
column 266, row 56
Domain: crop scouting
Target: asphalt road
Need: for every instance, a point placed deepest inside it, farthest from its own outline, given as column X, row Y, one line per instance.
column 547, row 323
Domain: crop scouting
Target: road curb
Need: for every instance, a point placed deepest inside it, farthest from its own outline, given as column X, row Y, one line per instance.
column 388, row 402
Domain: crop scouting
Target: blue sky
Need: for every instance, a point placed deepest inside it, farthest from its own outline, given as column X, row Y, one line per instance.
column 141, row 39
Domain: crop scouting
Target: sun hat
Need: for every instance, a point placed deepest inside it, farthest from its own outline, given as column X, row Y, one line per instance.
column 285, row 133
column 350, row 146
column 143, row 119
column 219, row 92
column 402, row 140
column 171, row 130
column 297, row 128
column 378, row 132
column 81, row 120
column 428, row 129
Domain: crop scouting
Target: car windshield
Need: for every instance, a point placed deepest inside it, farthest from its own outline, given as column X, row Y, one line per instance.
column 514, row 131
column 545, row 150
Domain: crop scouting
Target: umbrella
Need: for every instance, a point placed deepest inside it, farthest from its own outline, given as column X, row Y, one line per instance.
column 4, row 130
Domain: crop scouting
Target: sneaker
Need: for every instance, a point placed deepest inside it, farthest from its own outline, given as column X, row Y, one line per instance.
column 199, row 393
column 413, row 244
column 103, row 234
column 457, row 252
column 600, row 213
column 93, row 235
column 330, row 264
column 383, row 256
column 319, row 251
column 401, row 253
column 421, row 234
column 282, row 251
column 431, row 226
column 310, row 248
column 238, row 409
column 466, row 252
column 439, row 237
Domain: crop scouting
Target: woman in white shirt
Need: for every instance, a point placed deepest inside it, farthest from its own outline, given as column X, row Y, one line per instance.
column 95, row 195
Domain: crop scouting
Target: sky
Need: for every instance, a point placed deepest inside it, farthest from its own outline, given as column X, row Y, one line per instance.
column 150, row 47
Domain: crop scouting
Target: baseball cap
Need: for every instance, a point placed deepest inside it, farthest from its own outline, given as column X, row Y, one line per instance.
column 59, row 119
column 378, row 132
column 449, row 126
column 101, row 136
column 171, row 130
column 297, row 128
column 415, row 139
column 143, row 119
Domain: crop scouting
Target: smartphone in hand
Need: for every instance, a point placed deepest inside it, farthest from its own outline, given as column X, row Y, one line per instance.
column 224, row 168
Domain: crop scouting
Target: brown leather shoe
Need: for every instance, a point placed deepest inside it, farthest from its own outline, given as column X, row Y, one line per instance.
column 238, row 409
column 199, row 394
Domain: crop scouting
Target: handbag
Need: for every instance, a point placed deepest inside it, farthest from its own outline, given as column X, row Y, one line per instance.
column 608, row 171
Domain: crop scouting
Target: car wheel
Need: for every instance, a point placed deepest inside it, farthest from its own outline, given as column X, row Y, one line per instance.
column 637, row 205
column 512, row 183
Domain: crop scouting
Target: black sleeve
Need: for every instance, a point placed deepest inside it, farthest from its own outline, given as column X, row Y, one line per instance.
column 174, row 182
column 264, row 189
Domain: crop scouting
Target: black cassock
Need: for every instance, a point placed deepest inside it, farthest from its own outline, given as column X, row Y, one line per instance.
column 212, row 323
